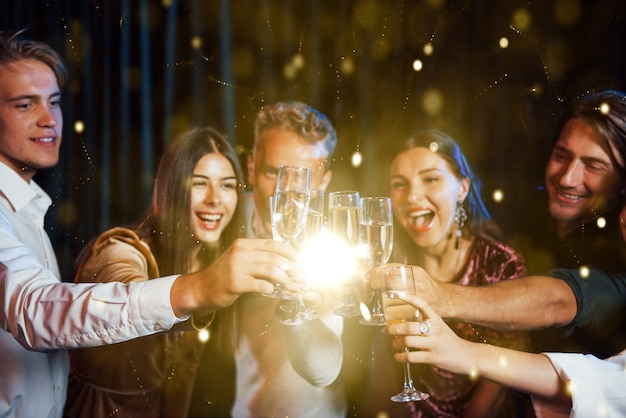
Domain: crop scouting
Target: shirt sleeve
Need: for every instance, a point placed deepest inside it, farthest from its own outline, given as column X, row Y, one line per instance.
column 597, row 386
column 598, row 294
column 44, row 314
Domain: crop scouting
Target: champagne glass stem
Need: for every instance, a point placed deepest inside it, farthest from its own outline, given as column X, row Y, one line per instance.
column 408, row 380
column 409, row 393
column 377, row 309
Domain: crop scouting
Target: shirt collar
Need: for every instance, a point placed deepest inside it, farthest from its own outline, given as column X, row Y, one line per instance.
column 18, row 192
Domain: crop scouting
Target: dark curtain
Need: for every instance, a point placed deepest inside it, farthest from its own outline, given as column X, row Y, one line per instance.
column 143, row 71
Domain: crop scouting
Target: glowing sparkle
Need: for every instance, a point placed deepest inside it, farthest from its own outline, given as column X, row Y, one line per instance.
column 428, row 49
column 339, row 262
column 601, row 222
column 605, row 108
column 418, row 65
column 497, row 195
column 290, row 72
column 503, row 42
column 357, row 159
column 79, row 127
column 433, row 146
column 298, row 61
column 196, row 42
column 521, row 19
column 203, row 335
column 347, row 66
column 584, row 272
column 473, row 373
column 433, row 102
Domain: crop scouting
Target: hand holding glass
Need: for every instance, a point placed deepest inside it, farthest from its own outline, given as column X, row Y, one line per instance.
column 397, row 281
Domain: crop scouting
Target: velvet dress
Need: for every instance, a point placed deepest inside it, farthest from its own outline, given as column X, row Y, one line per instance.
column 489, row 261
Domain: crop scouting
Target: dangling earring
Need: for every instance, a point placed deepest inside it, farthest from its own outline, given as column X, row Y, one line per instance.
column 460, row 216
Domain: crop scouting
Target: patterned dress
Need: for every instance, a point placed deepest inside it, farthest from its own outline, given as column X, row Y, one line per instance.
column 490, row 261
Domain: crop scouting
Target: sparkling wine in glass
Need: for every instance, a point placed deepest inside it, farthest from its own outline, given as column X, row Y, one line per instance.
column 315, row 214
column 376, row 230
column 295, row 312
column 397, row 281
column 343, row 222
column 288, row 210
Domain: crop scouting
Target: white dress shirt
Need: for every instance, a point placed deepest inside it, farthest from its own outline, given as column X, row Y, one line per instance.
column 42, row 317
column 597, row 386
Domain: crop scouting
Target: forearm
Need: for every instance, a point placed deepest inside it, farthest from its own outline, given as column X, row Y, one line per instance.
column 510, row 304
column 185, row 295
column 526, row 372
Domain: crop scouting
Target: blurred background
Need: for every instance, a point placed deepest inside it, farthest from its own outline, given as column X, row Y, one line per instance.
column 495, row 74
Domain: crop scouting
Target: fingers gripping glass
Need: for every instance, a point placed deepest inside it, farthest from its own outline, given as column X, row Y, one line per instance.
column 397, row 282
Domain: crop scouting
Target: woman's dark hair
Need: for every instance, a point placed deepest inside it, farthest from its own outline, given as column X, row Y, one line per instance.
column 478, row 218
column 446, row 147
column 167, row 228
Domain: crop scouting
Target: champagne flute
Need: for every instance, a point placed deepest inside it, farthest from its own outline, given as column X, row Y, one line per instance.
column 295, row 312
column 377, row 239
column 315, row 214
column 288, row 210
column 397, row 281
column 343, row 222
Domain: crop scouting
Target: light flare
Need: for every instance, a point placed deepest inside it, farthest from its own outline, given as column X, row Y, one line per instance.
column 327, row 261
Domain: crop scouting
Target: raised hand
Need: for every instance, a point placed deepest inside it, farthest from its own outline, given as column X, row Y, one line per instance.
column 247, row 266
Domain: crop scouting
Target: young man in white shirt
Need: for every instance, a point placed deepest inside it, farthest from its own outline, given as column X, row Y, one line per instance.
column 41, row 317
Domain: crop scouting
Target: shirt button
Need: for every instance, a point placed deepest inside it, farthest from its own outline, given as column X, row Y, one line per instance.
column 157, row 327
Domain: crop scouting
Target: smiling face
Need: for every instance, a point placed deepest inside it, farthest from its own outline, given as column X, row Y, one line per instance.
column 31, row 122
column 213, row 197
column 424, row 192
column 283, row 147
column 580, row 177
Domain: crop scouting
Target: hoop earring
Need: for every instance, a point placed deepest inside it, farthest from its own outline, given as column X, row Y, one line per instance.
column 460, row 216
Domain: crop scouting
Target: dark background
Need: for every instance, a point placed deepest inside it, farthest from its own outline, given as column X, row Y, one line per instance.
column 144, row 70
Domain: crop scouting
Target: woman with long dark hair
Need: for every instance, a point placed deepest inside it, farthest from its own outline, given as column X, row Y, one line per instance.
column 442, row 224
column 194, row 217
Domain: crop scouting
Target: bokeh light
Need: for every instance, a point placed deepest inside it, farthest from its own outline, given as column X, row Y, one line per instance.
column 521, row 19
column 433, row 102
column 605, row 108
column 196, row 42
column 567, row 12
column 497, row 195
column 327, row 261
column 428, row 49
column 584, row 271
column 418, row 65
column 204, row 335
column 357, row 159
column 79, row 126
